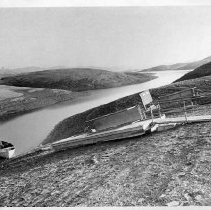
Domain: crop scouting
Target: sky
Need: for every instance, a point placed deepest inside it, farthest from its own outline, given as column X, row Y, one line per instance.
column 119, row 38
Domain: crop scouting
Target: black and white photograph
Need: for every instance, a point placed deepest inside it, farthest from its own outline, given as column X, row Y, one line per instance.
column 105, row 104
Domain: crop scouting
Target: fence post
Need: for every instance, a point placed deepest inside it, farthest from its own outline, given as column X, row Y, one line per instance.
column 145, row 116
column 185, row 112
column 193, row 106
column 140, row 112
column 159, row 110
column 151, row 113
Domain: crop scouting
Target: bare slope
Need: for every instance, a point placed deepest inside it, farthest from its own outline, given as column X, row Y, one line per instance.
column 75, row 79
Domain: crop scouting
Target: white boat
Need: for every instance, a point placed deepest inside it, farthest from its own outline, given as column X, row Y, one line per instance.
column 7, row 152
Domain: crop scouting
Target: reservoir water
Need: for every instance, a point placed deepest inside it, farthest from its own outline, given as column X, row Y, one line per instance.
column 29, row 130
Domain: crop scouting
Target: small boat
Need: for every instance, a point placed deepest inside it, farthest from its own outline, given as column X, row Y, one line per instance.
column 7, row 150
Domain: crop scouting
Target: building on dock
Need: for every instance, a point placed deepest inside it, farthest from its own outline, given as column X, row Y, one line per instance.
column 122, row 117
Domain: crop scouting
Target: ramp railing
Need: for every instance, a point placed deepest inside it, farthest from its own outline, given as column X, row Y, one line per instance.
column 186, row 106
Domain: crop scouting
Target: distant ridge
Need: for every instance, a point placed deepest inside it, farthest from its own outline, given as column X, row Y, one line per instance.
column 179, row 66
column 12, row 71
column 202, row 71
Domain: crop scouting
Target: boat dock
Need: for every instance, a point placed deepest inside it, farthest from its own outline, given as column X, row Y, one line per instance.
column 133, row 130
column 140, row 119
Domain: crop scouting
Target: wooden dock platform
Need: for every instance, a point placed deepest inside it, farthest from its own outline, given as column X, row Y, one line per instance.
column 183, row 119
column 132, row 130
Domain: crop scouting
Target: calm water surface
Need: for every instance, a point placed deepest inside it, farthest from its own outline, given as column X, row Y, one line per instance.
column 29, row 130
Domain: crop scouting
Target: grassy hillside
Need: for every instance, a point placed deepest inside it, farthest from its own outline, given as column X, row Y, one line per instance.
column 202, row 71
column 179, row 66
column 75, row 79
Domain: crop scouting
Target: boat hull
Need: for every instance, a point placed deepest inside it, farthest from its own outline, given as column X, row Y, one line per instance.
column 7, row 153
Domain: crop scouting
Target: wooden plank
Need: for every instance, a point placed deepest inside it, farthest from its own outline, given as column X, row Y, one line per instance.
column 200, row 118
column 108, row 137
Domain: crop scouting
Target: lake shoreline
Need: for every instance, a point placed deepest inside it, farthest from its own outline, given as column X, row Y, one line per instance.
column 17, row 109
column 24, row 106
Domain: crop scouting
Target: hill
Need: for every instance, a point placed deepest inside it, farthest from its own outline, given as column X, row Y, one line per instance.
column 75, row 79
column 179, row 66
column 202, row 71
